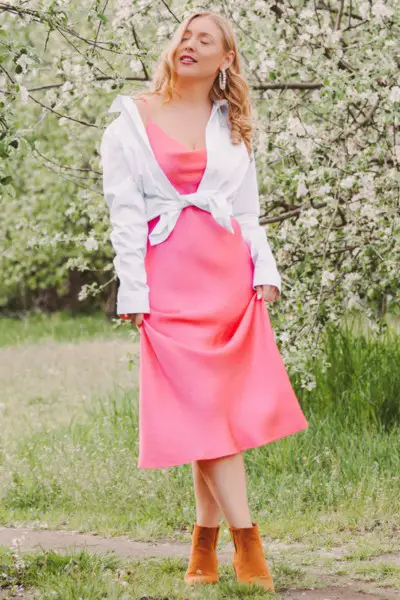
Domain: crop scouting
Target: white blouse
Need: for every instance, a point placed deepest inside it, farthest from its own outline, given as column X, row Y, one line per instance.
column 136, row 190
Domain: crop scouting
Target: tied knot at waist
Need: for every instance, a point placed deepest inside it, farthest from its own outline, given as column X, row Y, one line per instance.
column 213, row 202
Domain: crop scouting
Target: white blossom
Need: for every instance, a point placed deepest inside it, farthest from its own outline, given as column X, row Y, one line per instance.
column 327, row 277
column 364, row 8
column 333, row 38
column 123, row 9
column 295, row 126
column 306, row 148
column 91, row 244
column 381, row 9
column 394, row 95
column 307, row 14
column 67, row 86
column 135, row 65
column 24, row 95
column 352, row 301
column 308, row 218
column 24, row 61
column 302, row 189
column 348, row 182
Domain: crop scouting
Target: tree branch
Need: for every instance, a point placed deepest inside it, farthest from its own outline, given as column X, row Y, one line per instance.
column 290, row 85
column 64, row 166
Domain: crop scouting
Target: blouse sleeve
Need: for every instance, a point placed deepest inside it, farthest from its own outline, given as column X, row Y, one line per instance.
column 129, row 228
column 246, row 210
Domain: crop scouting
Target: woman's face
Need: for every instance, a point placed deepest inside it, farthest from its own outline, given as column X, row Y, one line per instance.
column 202, row 41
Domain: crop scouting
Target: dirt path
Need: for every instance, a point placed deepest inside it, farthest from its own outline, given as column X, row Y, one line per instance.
column 336, row 587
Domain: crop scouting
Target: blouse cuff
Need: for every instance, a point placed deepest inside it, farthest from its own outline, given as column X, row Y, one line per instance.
column 264, row 275
column 133, row 302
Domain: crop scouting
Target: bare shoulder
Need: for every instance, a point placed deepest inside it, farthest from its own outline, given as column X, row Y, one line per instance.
column 146, row 103
column 141, row 103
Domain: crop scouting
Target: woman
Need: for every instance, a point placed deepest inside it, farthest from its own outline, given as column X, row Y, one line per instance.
column 194, row 267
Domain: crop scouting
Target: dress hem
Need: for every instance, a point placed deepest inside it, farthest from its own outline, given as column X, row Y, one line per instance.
column 274, row 439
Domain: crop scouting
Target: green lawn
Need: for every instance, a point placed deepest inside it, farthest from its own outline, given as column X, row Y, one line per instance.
column 59, row 326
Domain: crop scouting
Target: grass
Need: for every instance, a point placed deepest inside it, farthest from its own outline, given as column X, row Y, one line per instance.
column 337, row 481
column 81, row 575
column 39, row 327
column 86, row 473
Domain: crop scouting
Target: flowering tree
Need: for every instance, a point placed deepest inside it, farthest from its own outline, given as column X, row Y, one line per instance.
column 325, row 85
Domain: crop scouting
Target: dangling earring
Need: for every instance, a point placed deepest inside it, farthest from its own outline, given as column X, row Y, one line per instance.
column 222, row 79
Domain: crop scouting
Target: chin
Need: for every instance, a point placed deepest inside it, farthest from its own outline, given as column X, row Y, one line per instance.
column 186, row 69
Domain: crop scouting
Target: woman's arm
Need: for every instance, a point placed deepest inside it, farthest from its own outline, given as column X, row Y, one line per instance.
column 246, row 210
column 128, row 223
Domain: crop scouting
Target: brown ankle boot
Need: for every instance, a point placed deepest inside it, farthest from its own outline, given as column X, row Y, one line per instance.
column 248, row 558
column 203, row 563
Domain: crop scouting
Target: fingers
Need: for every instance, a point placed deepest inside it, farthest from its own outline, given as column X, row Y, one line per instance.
column 139, row 321
column 133, row 318
column 268, row 292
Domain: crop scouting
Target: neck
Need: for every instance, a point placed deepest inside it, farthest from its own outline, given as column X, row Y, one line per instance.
column 193, row 93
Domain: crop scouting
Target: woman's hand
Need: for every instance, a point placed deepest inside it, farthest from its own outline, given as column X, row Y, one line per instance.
column 135, row 318
column 269, row 292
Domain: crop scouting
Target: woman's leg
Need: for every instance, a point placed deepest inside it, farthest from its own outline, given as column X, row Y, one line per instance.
column 208, row 512
column 226, row 479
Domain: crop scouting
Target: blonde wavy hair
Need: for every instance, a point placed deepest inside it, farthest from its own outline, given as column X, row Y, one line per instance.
column 236, row 91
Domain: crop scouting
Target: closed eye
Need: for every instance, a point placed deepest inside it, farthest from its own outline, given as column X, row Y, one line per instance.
column 185, row 39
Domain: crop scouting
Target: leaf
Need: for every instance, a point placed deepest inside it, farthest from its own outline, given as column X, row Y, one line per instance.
column 4, row 152
column 30, row 139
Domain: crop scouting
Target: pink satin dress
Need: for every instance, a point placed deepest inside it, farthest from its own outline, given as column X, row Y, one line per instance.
column 211, row 379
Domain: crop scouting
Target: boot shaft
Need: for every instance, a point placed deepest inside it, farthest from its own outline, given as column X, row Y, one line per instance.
column 248, row 558
column 205, row 537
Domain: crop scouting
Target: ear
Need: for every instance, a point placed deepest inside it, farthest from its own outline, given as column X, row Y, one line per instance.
column 229, row 58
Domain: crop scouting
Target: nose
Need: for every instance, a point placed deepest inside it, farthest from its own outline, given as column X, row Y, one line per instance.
column 189, row 43
column 188, row 46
